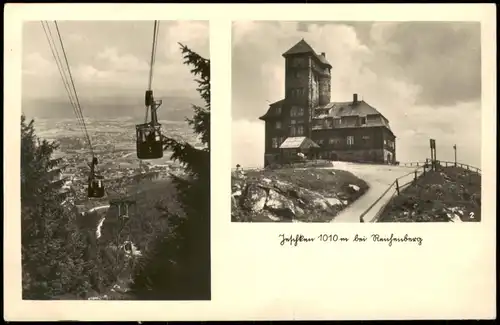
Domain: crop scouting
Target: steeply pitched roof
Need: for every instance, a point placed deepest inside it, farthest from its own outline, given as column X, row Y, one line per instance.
column 346, row 109
column 339, row 109
column 301, row 48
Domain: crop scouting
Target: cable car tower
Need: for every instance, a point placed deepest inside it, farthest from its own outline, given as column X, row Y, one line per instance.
column 95, row 185
column 149, row 142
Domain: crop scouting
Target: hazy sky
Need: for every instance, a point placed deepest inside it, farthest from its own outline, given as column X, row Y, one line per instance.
column 111, row 58
column 424, row 77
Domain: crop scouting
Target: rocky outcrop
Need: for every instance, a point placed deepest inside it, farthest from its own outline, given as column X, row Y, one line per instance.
column 266, row 199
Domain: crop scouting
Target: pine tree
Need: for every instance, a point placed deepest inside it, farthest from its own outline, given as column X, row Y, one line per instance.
column 53, row 249
column 179, row 266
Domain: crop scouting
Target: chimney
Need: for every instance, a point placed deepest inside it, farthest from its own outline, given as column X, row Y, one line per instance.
column 355, row 98
column 323, row 54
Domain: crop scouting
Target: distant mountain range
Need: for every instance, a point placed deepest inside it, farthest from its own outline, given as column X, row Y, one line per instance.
column 172, row 108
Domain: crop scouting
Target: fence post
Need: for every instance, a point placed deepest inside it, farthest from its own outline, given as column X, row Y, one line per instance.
column 397, row 186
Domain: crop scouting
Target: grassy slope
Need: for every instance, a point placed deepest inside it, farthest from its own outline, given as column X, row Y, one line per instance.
column 325, row 182
column 451, row 187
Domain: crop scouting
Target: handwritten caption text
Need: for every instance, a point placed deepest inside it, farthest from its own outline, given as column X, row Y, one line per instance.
column 295, row 240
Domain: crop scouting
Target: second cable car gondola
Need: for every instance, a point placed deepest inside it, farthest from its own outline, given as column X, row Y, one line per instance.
column 95, row 187
column 149, row 142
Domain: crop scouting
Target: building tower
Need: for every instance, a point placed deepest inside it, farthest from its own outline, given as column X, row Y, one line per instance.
column 307, row 85
column 324, row 81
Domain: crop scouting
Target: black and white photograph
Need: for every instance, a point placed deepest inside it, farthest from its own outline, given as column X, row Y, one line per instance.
column 115, row 160
column 125, row 201
column 356, row 121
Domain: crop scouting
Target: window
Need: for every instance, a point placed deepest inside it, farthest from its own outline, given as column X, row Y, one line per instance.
column 293, row 111
column 297, row 62
column 292, row 130
column 334, row 141
column 278, row 110
column 363, row 120
column 278, row 124
column 350, row 140
column 297, row 92
column 300, row 111
column 292, row 122
column 275, row 142
column 300, row 130
column 336, row 121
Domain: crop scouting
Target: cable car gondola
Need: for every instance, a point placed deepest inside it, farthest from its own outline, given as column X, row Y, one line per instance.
column 96, row 182
column 149, row 144
column 149, row 139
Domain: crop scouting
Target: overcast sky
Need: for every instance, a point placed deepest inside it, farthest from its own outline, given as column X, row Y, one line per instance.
column 111, row 58
column 424, row 77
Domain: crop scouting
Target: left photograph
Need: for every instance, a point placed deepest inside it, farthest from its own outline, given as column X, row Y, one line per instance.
column 115, row 160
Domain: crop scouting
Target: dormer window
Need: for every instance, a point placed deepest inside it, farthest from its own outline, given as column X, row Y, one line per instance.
column 363, row 120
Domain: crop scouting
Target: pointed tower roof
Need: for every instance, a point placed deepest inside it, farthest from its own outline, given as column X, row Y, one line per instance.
column 299, row 48
column 302, row 47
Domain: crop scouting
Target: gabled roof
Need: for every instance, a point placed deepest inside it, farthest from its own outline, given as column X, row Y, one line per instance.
column 302, row 47
column 298, row 142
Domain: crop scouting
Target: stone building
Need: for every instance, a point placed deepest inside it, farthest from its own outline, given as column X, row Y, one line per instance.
column 348, row 131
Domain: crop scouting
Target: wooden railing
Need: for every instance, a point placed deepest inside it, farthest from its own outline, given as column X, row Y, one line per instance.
column 461, row 165
column 413, row 164
column 394, row 189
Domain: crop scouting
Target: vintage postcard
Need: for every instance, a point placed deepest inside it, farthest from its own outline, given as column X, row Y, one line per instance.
column 126, row 200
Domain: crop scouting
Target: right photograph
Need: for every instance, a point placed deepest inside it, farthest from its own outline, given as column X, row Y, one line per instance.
column 352, row 121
